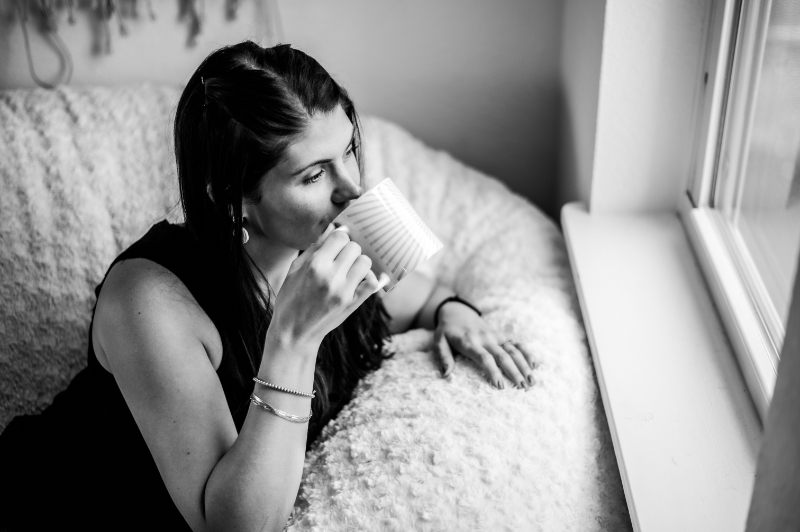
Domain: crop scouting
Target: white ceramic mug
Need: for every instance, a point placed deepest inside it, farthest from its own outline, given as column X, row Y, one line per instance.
column 389, row 231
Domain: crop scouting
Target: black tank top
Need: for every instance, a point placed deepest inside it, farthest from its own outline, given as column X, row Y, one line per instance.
column 83, row 462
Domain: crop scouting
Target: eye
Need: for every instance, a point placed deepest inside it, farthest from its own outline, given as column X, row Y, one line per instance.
column 353, row 147
column 314, row 178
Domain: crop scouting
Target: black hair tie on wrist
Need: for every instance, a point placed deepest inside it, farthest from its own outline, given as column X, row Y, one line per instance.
column 452, row 298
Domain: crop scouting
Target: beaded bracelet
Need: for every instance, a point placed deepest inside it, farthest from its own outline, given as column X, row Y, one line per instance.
column 451, row 298
column 280, row 413
column 282, row 389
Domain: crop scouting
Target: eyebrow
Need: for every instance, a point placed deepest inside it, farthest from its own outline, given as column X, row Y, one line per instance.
column 323, row 161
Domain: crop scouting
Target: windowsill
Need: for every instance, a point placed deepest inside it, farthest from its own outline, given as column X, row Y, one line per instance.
column 685, row 431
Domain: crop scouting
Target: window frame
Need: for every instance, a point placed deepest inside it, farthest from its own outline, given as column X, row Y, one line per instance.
column 736, row 37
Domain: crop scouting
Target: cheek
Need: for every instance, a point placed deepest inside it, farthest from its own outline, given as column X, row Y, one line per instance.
column 307, row 208
column 295, row 210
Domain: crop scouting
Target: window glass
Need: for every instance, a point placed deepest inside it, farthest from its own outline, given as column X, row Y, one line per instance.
column 763, row 202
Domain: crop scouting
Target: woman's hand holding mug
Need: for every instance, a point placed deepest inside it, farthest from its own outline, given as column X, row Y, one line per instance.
column 325, row 284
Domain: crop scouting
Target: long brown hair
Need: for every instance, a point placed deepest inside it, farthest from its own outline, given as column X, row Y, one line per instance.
column 241, row 109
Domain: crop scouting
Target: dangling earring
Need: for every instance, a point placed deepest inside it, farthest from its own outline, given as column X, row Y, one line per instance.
column 245, row 234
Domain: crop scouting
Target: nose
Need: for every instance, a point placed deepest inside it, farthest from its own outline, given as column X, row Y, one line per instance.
column 347, row 189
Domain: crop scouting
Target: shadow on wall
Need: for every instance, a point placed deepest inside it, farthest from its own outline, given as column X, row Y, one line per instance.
column 569, row 186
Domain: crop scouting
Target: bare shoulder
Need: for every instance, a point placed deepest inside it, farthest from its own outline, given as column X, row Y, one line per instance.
column 160, row 346
column 140, row 296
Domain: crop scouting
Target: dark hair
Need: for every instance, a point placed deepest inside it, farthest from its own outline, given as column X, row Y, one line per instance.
column 241, row 109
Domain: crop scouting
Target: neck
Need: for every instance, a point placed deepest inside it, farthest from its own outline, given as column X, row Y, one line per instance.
column 272, row 260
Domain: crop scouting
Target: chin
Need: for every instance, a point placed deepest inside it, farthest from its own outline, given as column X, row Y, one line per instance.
column 310, row 240
column 313, row 235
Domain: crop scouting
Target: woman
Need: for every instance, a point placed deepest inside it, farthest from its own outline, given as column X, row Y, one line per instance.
column 165, row 429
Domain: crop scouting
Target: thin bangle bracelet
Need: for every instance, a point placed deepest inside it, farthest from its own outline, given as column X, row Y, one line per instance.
column 446, row 300
column 282, row 389
column 280, row 413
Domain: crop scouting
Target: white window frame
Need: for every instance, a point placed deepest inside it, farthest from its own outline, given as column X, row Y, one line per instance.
column 736, row 39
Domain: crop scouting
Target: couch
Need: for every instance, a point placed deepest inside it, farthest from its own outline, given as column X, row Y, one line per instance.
column 84, row 172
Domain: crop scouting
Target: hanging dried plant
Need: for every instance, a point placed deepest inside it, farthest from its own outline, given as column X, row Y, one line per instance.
column 195, row 10
column 44, row 13
column 232, row 9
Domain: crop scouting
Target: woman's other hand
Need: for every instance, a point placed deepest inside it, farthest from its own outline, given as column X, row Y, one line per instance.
column 325, row 284
column 462, row 330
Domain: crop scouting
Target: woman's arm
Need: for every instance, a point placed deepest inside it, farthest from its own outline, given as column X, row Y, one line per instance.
column 412, row 304
column 155, row 340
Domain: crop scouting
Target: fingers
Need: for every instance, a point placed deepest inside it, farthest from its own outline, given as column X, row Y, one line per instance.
column 483, row 358
column 526, row 353
column 361, row 280
column 508, row 365
column 383, row 281
column 346, row 260
column 380, row 282
column 349, row 263
column 359, row 271
column 442, row 350
column 495, row 360
column 368, row 286
column 325, row 251
column 522, row 364
column 341, row 227
column 324, row 235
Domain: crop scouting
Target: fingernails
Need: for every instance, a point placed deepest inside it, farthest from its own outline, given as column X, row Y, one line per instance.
column 530, row 379
column 500, row 385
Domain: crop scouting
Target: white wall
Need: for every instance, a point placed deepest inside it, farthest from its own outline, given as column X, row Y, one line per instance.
column 627, row 136
column 581, row 56
column 652, row 60
column 478, row 79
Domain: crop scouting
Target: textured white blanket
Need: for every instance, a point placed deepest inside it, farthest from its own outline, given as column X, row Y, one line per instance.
column 416, row 452
column 85, row 171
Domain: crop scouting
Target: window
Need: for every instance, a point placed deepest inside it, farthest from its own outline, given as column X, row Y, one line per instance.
column 743, row 204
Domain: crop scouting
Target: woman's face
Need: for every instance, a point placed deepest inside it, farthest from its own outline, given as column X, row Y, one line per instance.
column 315, row 181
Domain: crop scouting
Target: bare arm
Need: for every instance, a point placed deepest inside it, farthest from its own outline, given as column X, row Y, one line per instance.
column 154, row 338
column 412, row 305
column 151, row 332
